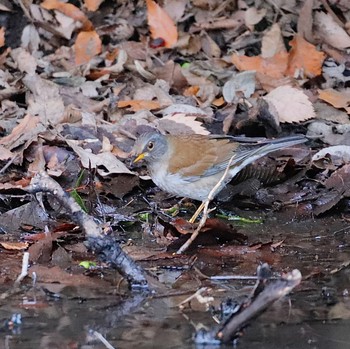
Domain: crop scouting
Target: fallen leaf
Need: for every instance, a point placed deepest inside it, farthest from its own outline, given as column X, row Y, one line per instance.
column 2, row 36
column 339, row 154
column 338, row 185
column 243, row 82
column 329, row 132
column 339, row 99
column 57, row 275
column 305, row 56
column 87, row 45
column 253, row 16
column 272, row 42
column 137, row 105
column 175, row 9
column 273, row 66
column 105, row 163
column 209, row 46
column 269, row 83
column 17, row 246
column 340, row 179
column 185, row 109
column 5, row 154
column 24, row 60
column 30, row 38
column 305, row 21
column 161, row 25
column 20, row 184
column 214, row 232
column 331, row 32
column 69, row 10
column 26, row 131
column 290, row 104
column 44, row 100
column 41, row 250
column 92, row 5
column 191, row 91
column 64, row 26
column 218, row 102
column 180, row 123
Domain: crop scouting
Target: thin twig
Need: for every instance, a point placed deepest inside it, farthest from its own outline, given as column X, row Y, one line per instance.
column 233, row 277
column 99, row 336
column 9, row 163
column 206, row 210
column 24, row 272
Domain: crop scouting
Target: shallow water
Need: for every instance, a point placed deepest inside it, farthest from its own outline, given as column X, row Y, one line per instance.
column 315, row 315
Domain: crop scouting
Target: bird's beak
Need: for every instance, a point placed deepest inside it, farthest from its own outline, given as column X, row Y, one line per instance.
column 140, row 157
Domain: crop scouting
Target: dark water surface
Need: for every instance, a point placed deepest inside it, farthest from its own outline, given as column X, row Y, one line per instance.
column 315, row 315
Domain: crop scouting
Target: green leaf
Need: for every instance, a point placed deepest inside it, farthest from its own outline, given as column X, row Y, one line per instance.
column 87, row 264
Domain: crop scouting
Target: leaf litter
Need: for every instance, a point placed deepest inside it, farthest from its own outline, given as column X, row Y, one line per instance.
column 81, row 81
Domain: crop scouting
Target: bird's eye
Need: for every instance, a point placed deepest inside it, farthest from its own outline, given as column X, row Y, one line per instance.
column 150, row 145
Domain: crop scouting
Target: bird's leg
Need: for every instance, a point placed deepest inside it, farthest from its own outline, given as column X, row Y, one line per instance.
column 197, row 213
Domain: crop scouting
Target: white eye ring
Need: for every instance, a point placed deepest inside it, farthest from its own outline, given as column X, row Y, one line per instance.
column 150, row 145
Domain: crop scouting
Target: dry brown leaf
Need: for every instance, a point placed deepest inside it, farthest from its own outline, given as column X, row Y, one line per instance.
column 2, row 36
column 305, row 56
column 92, row 5
column 161, row 25
column 218, row 102
column 274, row 66
column 209, row 46
column 5, row 154
column 105, row 163
column 268, row 83
column 87, row 45
column 272, row 42
column 16, row 246
column 305, row 21
column 58, row 276
column 45, row 100
column 157, row 92
column 291, row 104
column 137, row 105
column 69, row 10
column 191, row 91
column 339, row 99
column 63, row 25
column 185, row 109
column 27, row 130
column 20, row 184
column 181, row 123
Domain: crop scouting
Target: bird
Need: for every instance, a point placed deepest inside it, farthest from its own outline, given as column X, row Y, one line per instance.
column 191, row 165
